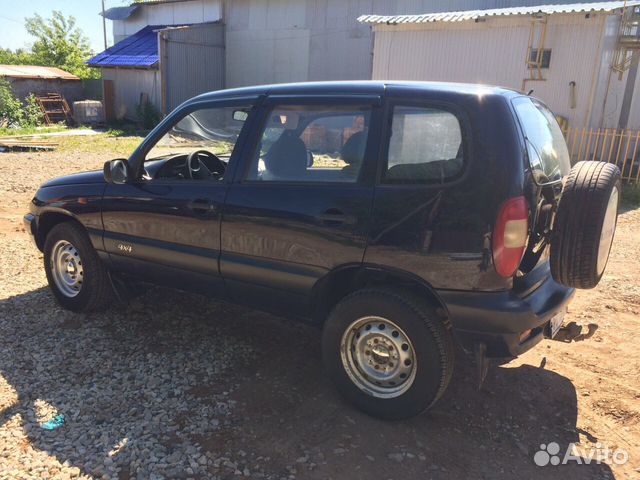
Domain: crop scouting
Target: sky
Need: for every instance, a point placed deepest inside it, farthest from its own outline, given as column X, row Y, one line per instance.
column 13, row 13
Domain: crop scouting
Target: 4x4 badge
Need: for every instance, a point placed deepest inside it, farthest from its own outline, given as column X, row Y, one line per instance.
column 124, row 248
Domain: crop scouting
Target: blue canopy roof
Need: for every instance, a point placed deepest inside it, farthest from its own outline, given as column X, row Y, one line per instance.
column 138, row 50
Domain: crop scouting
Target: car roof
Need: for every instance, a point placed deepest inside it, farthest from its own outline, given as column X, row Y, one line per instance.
column 359, row 87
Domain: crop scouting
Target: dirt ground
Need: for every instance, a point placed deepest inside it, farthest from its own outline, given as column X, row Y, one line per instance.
column 265, row 408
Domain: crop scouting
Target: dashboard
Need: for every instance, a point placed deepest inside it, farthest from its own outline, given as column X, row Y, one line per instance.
column 177, row 167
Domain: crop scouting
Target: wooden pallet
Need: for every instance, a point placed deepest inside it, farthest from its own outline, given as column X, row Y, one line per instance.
column 54, row 108
column 17, row 145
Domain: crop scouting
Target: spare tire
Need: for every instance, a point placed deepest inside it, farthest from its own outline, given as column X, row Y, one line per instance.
column 584, row 224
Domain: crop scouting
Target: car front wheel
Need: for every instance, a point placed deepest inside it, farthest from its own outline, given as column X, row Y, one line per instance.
column 388, row 352
column 76, row 275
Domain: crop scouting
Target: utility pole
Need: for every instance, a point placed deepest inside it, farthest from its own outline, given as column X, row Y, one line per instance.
column 104, row 26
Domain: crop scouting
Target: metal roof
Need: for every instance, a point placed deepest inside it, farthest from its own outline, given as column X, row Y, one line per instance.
column 35, row 71
column 138, row 50
column 497, row 12
column 119, row 13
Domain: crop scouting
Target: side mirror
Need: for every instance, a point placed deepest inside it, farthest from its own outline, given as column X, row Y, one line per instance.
column 117, row 171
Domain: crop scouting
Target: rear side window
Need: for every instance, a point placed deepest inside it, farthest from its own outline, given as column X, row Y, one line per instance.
column 546, row 147
column 425, row 146
column 310, row 143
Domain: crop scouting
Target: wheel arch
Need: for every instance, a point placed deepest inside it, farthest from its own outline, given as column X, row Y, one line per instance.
column 49, row 219
column 343, row 280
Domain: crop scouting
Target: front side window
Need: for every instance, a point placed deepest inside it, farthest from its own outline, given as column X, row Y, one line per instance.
column 198, row 146
column 312, row 143
column 547, row 149
column 425, row 146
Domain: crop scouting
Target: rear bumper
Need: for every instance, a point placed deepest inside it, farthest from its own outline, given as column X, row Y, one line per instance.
column 499, row 318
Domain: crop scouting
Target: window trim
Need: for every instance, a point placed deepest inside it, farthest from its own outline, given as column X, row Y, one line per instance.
column 465, row 132
column 273, row 102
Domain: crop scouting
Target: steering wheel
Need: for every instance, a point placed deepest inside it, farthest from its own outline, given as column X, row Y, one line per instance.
column 194, row 165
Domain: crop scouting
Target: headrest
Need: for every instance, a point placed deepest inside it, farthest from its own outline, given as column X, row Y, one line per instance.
column 353, row 149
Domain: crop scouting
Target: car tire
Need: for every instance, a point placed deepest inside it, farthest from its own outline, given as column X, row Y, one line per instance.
column 585, row 224
column 76, row 275
column 363, row 349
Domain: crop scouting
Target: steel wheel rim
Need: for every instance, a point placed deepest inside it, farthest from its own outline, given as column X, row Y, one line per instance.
column 66, row 268
column 608, row 229
column 378, row 357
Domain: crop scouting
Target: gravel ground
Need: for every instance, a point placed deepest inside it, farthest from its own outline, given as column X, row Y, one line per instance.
column 174, row 385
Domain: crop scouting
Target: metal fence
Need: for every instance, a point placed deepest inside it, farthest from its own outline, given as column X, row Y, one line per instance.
column 621, row 147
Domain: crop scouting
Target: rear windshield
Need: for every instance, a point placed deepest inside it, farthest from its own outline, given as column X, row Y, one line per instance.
column 546, row 147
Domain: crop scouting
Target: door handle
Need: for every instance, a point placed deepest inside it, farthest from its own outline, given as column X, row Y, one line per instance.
column 335, row 216
column 202, row 205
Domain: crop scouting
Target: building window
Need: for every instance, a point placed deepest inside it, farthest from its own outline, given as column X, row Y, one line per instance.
column 546, row 58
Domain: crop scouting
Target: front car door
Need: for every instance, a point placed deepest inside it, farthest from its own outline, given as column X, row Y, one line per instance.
column 300, row 205
column 165, row 226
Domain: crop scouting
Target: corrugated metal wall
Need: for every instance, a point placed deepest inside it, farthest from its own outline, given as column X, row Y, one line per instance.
column 129, row 84
column 195, row 62
column 275, row 41
column 494, row 52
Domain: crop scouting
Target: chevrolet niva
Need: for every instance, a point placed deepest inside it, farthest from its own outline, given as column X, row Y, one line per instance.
column 402, row 217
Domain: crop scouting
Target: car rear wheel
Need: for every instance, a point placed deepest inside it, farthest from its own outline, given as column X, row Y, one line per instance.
column 388, row 352
column 76, row 275
column 585, row 224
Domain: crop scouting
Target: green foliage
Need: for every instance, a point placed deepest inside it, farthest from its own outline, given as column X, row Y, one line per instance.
column 148, row 114
column 58, row 43
column 10, row 107
column 15, row 57
column 33, row 115
column 14, row 113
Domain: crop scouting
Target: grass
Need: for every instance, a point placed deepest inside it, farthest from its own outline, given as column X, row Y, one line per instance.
column 631, row 195
column 121, row 146
column 32, row 130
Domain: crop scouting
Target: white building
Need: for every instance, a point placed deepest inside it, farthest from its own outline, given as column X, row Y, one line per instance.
column 586, row 72
column 225, row 44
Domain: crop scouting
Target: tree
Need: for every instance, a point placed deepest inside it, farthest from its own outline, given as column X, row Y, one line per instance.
column 59, row 43
column 15, row 57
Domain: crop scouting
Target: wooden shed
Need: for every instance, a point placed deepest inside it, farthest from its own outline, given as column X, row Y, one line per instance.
column 27, row 79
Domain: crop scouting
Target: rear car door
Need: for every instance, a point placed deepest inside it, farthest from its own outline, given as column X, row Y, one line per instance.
column 165, row 227
column 429, row 217
column 301, row 203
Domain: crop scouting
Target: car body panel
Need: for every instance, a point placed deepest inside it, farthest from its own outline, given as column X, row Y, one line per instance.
column 153, row 222
column 80, row 201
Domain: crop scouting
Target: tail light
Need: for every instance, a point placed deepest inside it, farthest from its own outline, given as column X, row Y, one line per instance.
column 510, row 236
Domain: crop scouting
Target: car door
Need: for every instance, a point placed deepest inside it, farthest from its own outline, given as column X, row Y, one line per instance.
column 430, row 211
column 165, row 227
column 300, row 205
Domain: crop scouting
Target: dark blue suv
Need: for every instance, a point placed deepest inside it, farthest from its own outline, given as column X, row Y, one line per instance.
column 403, row 217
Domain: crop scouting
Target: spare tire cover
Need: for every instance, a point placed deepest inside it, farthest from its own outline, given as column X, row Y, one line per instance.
column 584, row 224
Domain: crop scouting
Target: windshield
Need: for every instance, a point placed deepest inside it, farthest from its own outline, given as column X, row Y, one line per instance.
column 213, row 129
